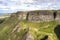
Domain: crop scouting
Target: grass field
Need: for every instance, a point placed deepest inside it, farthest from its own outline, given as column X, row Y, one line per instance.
column 37, row 30
column 41, row 29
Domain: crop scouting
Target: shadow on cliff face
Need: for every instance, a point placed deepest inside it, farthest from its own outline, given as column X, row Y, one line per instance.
column 1, row 21
column 57, row 31
column 55, row 14
column 45, row 37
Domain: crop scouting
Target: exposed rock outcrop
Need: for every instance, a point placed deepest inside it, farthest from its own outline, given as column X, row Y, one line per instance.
column 38, row 16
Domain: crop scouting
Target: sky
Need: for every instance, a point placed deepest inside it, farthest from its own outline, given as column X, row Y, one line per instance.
column 10, row 6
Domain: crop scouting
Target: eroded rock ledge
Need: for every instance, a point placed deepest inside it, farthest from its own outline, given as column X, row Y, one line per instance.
column 38, row 16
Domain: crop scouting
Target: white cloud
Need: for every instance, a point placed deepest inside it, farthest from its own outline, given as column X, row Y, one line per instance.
column 29, row 1
column 16, row 5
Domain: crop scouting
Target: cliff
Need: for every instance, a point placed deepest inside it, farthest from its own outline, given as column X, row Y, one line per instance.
column 24, row 26
column 39, row 16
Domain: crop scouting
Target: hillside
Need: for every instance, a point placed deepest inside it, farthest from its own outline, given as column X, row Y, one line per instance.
column 12, row 28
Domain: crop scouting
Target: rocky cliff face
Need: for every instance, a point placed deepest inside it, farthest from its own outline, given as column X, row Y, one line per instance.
column 38, row 16
column 57, row 16
column 14, row 29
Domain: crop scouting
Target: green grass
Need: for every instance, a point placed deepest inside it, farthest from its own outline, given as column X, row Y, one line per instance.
column 6, row 27
column 41, row 29
column 37, row 30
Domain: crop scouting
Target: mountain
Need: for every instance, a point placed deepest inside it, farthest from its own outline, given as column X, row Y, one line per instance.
column 12, row 28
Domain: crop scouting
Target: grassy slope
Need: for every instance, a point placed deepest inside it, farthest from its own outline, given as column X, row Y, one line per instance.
column 39, row 30
column 6, row 27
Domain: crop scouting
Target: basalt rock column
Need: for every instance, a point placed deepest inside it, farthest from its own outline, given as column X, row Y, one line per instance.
column 41, row 16
column 58, row 16
column 22, row 15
